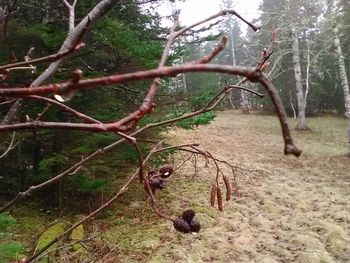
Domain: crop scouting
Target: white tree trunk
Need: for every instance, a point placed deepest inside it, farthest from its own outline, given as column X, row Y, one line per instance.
column 343, row 77
column 184, row 83
column 307, row 80
column 292, row 105
column 244, row 99
column 298, row 80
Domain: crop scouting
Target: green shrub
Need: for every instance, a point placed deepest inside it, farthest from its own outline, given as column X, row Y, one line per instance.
column 10, row 251
column 55, row 160
column 202, row 119
column 6, row 222
column 84, row 184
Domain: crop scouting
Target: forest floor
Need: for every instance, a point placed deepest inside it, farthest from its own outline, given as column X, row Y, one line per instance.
column 295, row 210
column 289, row 210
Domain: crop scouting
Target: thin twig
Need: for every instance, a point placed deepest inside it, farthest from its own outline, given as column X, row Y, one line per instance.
column 11, row 146
column 49, row 58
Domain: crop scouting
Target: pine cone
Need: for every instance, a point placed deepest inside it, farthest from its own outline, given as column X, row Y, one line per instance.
column 188, row 215
column 182, row 226
column 156, row 183
column 161, row 184
column 195, row 226
column 166, row 171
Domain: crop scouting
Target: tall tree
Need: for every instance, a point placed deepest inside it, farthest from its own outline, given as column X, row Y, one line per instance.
column 332, row 7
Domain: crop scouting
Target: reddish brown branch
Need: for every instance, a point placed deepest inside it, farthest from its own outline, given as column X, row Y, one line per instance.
column 49, row 58
column 221, row 13
column 58, row 88
column 216, row 51
column 289, row 146
column 65, row 108
column 261, row 95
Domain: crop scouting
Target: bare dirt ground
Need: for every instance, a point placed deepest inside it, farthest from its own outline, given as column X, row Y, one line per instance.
column 298, row 210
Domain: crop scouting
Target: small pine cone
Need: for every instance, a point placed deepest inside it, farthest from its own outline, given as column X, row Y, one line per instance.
column 182, row 226
column 166, row 171
column 156, row 182
column 219, row 199
column 188, row 215
column 161, row 184
column 195, row 226
column 213, row 195
column 228, row 188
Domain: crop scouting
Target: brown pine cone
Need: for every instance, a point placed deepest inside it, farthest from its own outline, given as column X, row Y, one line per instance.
column 182, row 226
column 188, row 215
column 166, row 171
column 156, row 183
column 195, row 226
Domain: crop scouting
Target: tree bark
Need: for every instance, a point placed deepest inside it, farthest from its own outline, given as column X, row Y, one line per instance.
column 343, row 78
column 298, row 81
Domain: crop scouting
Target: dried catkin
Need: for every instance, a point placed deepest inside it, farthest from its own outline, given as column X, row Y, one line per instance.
column 213, row 195
column 219, row 198
column 228, row 188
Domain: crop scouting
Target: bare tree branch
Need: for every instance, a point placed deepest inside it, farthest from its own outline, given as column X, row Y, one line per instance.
column 48, row 58
column 11, row 145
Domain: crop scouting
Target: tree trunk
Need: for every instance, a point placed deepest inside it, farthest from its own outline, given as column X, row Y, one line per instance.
column 307, row 80
column 244, row 102
column 298, row 83
column 184, row 83
column 343, row 78
column 292, row 105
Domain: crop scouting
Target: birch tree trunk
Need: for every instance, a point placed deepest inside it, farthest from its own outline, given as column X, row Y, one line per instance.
column 244, row 102
column 298, row 81
column 184, row 83
column 343, row 77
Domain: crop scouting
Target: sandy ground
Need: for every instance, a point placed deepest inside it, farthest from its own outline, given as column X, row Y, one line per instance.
column 297, row 211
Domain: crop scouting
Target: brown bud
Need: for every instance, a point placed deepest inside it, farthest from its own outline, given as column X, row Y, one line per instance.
column 228, row 188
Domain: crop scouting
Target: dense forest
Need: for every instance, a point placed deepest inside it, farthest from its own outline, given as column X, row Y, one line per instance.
column 56, row 166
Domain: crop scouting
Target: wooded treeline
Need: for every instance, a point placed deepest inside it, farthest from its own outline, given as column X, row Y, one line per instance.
column 310, row 64
column 129, row 38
